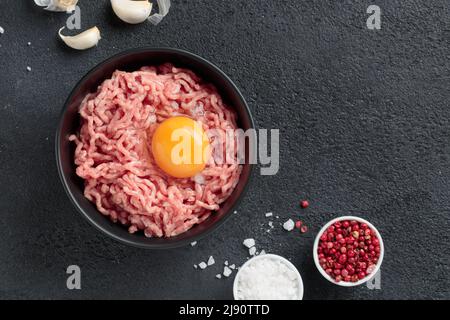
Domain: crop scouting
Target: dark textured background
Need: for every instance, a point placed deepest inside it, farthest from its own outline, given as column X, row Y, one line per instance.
column 365, row 129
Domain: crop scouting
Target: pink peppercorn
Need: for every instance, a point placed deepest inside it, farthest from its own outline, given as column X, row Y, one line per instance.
column 349, row 250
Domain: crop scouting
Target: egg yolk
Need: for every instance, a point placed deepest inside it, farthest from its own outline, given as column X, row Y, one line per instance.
column 180, row 147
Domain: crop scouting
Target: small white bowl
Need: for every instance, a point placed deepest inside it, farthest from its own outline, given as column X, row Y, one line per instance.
column 343, row 283
column 273, row 257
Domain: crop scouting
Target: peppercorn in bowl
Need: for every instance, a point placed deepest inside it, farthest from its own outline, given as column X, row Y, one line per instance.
column 348, row 251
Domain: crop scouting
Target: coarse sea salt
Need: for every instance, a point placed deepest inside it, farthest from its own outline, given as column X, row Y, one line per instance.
column 211, row 261
column 267, row 279
column 289, row 225
column 227, row 271
column 202, row 265
column 269, row 214
column 249, row 243
column 2, row 31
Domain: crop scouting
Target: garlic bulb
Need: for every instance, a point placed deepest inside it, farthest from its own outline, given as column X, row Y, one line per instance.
column 132, row 11
column 82, row 41
column 57, row 5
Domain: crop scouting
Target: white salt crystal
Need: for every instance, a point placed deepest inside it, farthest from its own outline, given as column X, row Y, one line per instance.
column 202, row 265
column 2, row 31
column 269, row 214
column 29, row 44
column 270, row 224
column 218, row 276
column 226, row 262
column 211, row 261
column 289, row 225
column 249, row 242
column 233, row 266
column 28, row 68
column 252, row 251
column 227, row 271
column 195, row 266
column 267, row 279
column 193, row 243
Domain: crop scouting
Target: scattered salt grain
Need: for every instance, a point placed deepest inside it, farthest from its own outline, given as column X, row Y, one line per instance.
column 202, row 265
column 267, row 279
column 289, row 225
column 233, row 266
column 29, row 44
column 28, row 68
column 262, row 252
column 249, row 242
column 193, row 243
column 269, row 214
column 195, row 266
column 227, row 271
column 226, row 262
column 211, row 261
column 270, row 224
column 252, row 251
column 218, row 276
column 2, row 31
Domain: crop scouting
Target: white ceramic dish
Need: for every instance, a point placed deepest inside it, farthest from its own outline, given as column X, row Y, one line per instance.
column 343, row 283
column 268, row 256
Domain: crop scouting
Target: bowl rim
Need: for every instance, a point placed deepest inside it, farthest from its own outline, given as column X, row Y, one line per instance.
column 270, row 256
column 113, row 235
column 343, row 283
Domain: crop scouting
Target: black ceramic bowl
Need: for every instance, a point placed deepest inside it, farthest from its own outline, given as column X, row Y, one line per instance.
column 132, row 60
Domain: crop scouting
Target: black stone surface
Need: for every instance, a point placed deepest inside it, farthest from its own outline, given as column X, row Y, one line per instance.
column 365, row 130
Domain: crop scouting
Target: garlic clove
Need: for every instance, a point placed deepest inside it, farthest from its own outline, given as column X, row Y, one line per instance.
column 82, row 41
column 57, row 5
column 132, row 11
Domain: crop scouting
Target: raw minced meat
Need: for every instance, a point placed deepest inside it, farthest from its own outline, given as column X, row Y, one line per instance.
column 112, row 150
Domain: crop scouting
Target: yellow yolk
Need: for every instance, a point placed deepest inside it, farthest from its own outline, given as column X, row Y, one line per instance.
column 180, row 147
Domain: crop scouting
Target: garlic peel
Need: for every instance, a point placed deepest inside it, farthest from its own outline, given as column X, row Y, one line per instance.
column 83, row 40
column 132, row 11
column 57, row 5
column 164, row 6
